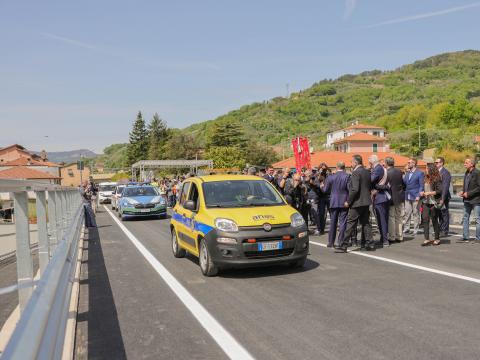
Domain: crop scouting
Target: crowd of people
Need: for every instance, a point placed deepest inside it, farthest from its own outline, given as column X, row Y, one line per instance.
column 398, row 201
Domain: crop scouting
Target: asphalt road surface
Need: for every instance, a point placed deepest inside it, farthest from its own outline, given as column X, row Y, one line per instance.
column 340, row 306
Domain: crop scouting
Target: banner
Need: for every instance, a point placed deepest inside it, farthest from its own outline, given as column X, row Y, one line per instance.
column 301, row 150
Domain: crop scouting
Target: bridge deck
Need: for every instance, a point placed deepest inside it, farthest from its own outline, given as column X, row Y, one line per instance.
column 340, row 306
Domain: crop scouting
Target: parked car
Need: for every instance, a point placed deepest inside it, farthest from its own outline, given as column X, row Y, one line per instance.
column 237, row 221
column 105, row 192
column 117, row 194
column 140, row 201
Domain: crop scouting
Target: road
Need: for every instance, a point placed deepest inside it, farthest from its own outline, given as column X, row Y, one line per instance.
column 340, row 306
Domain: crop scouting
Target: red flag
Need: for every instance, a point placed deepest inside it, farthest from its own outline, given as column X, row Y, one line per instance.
column 301, row 151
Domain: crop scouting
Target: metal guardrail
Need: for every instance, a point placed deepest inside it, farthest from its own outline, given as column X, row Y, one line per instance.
column 40, row 332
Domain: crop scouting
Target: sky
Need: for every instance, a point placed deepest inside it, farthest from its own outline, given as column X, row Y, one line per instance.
column 74, row 74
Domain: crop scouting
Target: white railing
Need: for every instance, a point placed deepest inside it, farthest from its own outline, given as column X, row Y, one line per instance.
column 40, row 331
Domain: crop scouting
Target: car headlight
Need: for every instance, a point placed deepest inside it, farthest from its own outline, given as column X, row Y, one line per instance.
column 158, row 200
column 131, row 202
column 297, row 220
column 226, row 225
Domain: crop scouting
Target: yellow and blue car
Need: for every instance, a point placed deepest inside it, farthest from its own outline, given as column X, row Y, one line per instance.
column 230, row 221
column 141, row 200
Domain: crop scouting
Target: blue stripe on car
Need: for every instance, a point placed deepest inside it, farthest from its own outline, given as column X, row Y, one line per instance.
column 198, row 226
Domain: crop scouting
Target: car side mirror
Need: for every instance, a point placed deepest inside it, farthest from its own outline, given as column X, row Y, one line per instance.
column 289, row 199
column 190, row 205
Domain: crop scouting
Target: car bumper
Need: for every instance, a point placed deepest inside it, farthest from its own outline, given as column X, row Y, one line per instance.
column 244, row 254
column 136, row 212
column 104, row 200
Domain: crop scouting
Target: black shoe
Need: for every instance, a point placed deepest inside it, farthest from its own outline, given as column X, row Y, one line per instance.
column 329, row 245
column 464, row 241
column 340, row 250
column 370, row 248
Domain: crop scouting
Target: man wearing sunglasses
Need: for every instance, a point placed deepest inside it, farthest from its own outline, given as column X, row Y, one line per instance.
column 445, row 199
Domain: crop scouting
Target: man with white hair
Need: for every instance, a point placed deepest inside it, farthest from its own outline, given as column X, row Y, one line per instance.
column 381, row 197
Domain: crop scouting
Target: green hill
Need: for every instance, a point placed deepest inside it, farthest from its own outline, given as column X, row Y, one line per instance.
column 440, row 96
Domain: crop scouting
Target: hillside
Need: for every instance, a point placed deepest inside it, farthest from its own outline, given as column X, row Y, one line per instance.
column 439, row 95
column 69, row 156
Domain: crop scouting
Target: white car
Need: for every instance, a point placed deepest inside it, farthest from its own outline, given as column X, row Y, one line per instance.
column 117, row 194
column 105, row 192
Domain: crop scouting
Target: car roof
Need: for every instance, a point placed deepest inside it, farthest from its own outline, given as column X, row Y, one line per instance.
column 228, row 177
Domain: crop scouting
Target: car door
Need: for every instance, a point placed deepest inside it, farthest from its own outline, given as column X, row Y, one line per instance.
column 179, row 216
column 191, row 232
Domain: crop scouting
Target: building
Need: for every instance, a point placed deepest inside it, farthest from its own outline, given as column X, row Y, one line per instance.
column 355, row 128
column 331, row 158
column 71, row 176
column 361, row 142
column 26, row 173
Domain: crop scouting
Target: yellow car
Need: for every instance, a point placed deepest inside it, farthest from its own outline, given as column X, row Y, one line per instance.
column 236, row 221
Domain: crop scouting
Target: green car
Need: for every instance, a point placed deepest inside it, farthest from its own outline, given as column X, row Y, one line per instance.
column 141, row 201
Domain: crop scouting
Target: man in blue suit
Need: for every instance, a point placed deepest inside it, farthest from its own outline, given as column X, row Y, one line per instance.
column 414, row 185
column 381, row 197
column 337, row 186
column 445, row 200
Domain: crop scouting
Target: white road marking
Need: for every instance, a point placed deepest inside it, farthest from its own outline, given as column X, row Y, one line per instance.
column 413, row 266
column 222, row 337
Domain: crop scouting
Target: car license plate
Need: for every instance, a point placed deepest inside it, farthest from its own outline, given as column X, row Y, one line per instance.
column 274, row 245
column 144, row 210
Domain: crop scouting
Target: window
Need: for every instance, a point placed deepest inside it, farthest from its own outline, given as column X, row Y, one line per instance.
column 184, row 193
column 193, row 195
column 375, row 147
column 139, row 191
column 70, row 172
column 376, row 133
column 240, row 193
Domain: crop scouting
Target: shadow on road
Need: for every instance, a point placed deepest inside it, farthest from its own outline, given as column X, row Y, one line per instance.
column 260, row 271
column 98, row 331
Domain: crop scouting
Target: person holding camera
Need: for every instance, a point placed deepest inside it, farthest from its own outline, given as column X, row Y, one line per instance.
column 317, row 199
column 297, row 191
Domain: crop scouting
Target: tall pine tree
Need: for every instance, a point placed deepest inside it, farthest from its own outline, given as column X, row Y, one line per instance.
column 138, row 146
column 157, row 137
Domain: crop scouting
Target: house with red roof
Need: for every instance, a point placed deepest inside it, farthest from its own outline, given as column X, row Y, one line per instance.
column 25, row 173
column 353, row 129
column 15, row 156
column 361, row 142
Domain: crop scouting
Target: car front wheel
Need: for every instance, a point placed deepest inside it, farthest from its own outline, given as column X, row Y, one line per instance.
column 206, row 264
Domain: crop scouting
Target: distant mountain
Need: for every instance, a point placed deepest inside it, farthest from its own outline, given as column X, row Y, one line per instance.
column 69, row 156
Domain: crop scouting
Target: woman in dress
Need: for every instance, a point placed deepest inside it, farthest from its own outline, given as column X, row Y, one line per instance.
column 430, row 204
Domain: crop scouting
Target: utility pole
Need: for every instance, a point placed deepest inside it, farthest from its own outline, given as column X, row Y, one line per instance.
column 288, row 90
column 419, row 139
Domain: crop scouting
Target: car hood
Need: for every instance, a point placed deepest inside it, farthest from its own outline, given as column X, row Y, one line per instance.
column 141, row 199
column 255, row 216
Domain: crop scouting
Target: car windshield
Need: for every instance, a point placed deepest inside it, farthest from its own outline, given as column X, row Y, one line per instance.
column 240, row 193
column 139, row 191
column 106, row 188
column 120, row 189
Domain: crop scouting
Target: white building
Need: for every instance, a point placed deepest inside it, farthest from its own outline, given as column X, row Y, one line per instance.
column 335, row 136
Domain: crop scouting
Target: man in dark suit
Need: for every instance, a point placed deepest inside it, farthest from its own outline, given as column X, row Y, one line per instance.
column 337, row 186
column 396, row 212
column 471, row 199
column 358, row 202
column 381, row 197
column 445, row 199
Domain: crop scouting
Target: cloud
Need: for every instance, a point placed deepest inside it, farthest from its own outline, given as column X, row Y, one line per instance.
column 425, row 15
column 70, row 41
column 350, row 6
column 139, row 60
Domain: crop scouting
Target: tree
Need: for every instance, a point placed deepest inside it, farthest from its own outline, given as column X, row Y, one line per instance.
column 260, row 154
column 180, row 146
column 157, row 137
column 226, row 134
column 225, row 157
column 138, row 141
